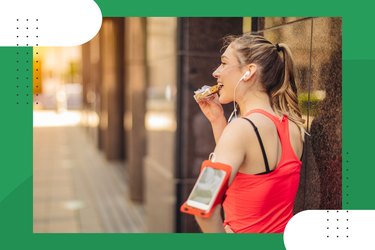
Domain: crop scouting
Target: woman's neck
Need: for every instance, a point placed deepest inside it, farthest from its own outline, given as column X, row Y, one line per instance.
column 255, row 100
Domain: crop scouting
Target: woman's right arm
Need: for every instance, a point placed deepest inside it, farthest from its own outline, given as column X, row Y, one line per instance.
column 218, row 128
column 214, row 112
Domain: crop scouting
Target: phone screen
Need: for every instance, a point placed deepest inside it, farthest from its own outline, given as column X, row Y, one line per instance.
column 206, row 188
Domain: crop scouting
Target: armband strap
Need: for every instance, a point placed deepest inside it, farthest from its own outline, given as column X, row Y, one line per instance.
column 185, row 208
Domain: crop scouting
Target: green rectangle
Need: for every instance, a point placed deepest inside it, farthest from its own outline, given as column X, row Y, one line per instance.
column 16, row 126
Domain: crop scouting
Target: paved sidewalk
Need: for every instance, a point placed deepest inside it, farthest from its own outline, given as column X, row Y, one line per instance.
column 76, row 189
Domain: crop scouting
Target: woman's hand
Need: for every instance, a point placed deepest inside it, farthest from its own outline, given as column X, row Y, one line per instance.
column 214, row 112
column 212, row 108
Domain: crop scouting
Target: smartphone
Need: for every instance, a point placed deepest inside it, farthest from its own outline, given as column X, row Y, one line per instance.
column 206, row 188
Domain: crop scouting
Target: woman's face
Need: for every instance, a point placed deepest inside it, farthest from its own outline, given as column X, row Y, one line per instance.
column 228, row 74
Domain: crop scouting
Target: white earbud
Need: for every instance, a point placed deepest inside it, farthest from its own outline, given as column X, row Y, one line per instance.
column 247, row 74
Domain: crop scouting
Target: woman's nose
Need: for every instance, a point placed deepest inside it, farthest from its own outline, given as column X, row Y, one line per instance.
column 215, row 73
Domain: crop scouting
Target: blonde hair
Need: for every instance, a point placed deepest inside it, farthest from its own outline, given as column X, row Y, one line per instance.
column 277, row 74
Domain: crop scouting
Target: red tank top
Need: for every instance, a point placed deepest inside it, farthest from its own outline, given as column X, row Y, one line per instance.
column 264, row 203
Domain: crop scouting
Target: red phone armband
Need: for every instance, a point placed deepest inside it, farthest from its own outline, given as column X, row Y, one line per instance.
column 185, row 208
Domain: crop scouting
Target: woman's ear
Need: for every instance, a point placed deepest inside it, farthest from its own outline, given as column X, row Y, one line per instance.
column 251, row 70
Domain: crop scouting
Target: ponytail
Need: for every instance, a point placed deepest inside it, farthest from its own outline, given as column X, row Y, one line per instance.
column 276, row 73
column 284, row 96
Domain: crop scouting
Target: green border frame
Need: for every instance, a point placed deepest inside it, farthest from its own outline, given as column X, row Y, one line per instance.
column 16, row 225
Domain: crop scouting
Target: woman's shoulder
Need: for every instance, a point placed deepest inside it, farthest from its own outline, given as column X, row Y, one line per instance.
column 241, row 130
column 236, row 126
column 262, row 121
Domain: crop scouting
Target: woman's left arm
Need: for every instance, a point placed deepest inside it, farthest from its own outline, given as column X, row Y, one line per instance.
column 230, row 150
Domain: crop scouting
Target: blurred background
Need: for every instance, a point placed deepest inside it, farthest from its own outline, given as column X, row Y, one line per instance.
column 119, row 140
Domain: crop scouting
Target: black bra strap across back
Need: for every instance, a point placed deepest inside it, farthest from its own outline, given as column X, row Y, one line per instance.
column 261, row 146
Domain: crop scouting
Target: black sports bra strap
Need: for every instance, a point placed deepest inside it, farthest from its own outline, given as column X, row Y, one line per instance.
column 261, row 144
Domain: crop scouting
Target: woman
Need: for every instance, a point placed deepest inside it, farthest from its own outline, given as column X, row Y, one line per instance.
column 264, row 144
